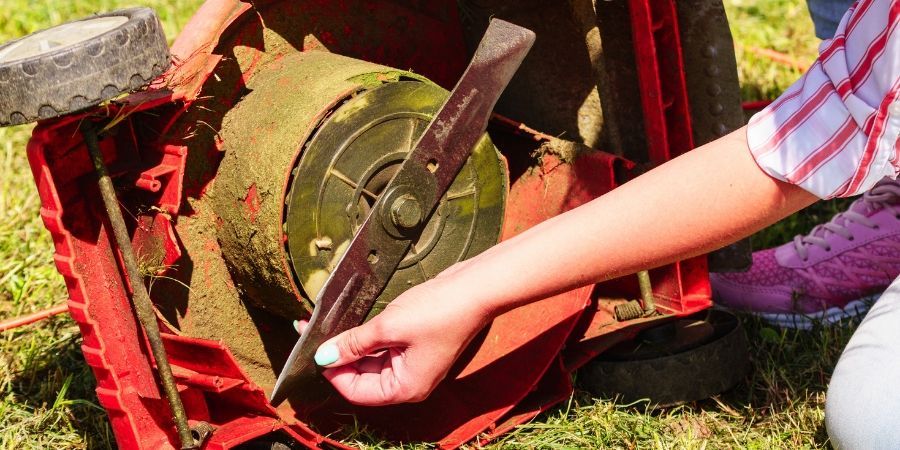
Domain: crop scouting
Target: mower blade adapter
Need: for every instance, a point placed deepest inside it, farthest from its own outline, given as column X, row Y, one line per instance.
column 408, row 201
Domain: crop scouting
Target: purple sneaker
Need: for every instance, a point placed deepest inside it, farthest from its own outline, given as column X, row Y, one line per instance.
column 834, row 272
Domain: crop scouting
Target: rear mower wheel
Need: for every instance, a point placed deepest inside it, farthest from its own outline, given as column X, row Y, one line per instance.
column 77, row 65
column 681, row 361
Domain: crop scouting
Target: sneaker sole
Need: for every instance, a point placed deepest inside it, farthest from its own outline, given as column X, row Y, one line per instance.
column 854, row 309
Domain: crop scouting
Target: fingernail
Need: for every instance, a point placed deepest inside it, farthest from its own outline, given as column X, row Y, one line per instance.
column 327, row 354
column 297, row 325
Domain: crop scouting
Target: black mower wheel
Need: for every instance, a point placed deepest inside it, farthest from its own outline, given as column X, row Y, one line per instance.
column 682, row 361
column 77, row 65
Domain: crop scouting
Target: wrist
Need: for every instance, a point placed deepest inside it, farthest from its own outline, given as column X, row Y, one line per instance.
column 475, row 287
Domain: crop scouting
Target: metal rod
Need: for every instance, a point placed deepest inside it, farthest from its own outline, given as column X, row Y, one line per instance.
column 140, row 298
column 17, row 322
column 646, row 292
column 521, row 127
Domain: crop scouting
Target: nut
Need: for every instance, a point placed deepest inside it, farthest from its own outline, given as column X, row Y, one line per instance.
column 406, row 212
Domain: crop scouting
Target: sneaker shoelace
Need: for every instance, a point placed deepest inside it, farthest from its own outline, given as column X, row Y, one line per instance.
column 882, row 196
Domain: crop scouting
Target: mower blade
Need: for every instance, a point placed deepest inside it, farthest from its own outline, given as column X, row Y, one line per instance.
column 430, row 168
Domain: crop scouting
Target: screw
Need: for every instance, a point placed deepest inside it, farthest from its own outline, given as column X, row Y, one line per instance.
column 406, row 212
column 323, row 243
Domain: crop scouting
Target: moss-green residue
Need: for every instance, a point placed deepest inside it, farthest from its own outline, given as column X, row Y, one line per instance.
column 371, row 80
column 566, row 151
column 200, row 298
column 263, row 135
column 374, row 79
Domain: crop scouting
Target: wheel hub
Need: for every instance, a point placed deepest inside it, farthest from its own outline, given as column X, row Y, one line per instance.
column 345, row 168
column 59, row 36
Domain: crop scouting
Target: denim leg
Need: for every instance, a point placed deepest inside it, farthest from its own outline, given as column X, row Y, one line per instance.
column 827, row 14
column 862, row 408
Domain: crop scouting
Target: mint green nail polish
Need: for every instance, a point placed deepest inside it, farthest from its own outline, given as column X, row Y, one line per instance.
column 327, row 354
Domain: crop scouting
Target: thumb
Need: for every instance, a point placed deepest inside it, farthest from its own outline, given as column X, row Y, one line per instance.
column 352, row 345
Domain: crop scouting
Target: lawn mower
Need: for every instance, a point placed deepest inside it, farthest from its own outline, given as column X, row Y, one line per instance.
column 307, row 159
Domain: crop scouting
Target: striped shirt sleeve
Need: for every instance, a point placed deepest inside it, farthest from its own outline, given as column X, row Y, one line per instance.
column 834, row 132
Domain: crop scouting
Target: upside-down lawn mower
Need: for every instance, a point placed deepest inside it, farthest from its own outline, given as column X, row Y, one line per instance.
column 313, row 159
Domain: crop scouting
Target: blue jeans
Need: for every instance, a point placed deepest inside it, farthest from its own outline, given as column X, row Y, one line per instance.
column 827, row 14
column 862, row 407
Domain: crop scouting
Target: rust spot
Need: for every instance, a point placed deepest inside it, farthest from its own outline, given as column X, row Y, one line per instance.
column 251, row 203
column 212, row 246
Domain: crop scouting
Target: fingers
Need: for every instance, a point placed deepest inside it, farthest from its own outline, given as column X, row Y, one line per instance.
column 353, row 344
column 359, row 388
column 300, row 325
column 376, row 381
column 363, row 372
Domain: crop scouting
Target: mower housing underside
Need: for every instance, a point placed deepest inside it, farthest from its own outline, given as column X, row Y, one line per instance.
column 166, row 144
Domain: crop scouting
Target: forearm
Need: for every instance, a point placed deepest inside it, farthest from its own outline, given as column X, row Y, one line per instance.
column 693, row 204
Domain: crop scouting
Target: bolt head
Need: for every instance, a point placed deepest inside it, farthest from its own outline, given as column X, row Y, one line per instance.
column 406, row 212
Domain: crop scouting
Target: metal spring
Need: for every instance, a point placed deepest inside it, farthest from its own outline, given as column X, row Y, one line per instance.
column 629, row 311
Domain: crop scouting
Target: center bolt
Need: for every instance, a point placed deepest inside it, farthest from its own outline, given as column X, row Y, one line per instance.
column 406, row 212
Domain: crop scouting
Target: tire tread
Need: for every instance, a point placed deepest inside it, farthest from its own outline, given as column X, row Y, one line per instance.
column 83, row 75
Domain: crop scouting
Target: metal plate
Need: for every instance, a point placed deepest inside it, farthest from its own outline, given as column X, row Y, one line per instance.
column 350, row 160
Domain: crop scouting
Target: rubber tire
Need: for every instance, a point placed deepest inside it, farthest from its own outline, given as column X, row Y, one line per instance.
column 76, row 77
column 695, row 374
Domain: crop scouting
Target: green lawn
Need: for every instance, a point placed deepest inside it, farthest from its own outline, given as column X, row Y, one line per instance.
column 46, row 390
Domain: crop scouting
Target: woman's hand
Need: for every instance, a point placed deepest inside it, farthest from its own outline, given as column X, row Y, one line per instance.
column 403, row 353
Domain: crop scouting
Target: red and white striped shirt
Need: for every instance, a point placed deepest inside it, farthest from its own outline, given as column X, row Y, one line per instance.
column 834, row 132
